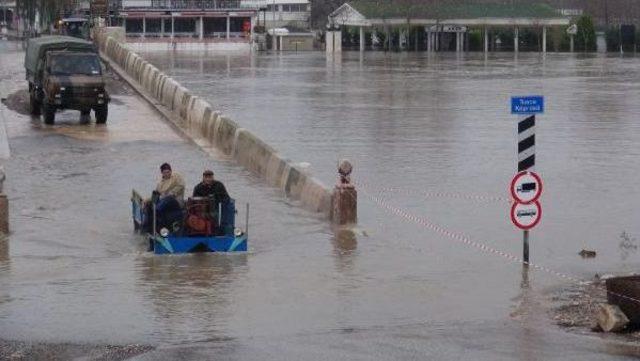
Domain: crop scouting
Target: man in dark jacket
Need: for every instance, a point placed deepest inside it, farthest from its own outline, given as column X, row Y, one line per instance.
column 211, row 187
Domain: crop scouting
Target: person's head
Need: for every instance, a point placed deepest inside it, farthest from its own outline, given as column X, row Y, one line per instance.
column 207, row 176
column 165, row 169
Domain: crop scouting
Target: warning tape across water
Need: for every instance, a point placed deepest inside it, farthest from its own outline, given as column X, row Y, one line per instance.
column 472, row 197
column 463, row 239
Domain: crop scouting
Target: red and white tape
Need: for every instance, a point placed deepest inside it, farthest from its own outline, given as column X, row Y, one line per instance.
column 488, row 249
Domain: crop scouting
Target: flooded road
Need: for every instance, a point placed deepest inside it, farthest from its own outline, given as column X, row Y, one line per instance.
column 436, row 130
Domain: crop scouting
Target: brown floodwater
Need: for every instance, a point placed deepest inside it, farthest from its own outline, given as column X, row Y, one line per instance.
column 429, row 135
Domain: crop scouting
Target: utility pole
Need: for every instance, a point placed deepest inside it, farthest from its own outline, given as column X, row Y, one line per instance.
column 3, row 28
column 274, row 41
column 4, row 14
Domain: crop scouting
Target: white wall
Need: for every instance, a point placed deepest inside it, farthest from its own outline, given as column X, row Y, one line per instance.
column 282, row 17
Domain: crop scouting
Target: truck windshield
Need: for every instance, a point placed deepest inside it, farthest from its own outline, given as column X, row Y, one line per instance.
column 80, row 64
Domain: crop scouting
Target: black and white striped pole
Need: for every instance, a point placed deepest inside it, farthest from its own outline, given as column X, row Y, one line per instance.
column 526, row 186
column 527, row 143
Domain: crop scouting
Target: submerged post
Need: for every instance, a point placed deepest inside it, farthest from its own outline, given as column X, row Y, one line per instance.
column 525, row 247
column 328, row 39
column 4, row 206
column 345, row 197
column 246, row 221
column 486, row 40
column 571, row 46
column 201, row 29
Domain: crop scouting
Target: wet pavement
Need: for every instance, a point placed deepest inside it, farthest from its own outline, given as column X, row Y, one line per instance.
column 436, row 129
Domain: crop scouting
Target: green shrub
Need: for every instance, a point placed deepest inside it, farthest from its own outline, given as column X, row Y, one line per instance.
column 586, row 37
column 612, row 36
column 476, row 40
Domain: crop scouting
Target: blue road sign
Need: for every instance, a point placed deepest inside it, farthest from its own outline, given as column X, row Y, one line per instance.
column 527, row 105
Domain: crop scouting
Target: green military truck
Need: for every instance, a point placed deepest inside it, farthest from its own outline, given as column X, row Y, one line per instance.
column 65, row 73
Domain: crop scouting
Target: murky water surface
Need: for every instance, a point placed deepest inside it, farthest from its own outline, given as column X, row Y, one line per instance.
column 435, row 129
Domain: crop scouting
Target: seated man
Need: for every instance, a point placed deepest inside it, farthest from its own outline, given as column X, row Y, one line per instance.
column 217, row 194
column 171, row 184
column 211, row 187
column 168, row 197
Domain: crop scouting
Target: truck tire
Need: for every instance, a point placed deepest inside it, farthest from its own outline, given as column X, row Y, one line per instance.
column 101, row 114
column 49, row 114
column 34, row 105
column 85, row 115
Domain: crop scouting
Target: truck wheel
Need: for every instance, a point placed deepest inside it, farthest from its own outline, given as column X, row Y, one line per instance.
column 85, row 115
column 49, row 114
column 101, row 114
column 34, row 106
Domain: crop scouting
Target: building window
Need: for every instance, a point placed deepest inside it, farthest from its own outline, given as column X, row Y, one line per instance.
column 293, row 8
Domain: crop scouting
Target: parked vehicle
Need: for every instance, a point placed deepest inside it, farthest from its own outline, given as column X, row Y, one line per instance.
column 65, row 73
column 77, row 27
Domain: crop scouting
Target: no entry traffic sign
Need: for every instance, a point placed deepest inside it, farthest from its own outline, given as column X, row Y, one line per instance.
column 526, row 216
column 526, row 187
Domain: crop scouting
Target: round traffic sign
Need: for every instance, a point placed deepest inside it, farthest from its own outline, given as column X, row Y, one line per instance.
column 526, row 187
column 526, row 216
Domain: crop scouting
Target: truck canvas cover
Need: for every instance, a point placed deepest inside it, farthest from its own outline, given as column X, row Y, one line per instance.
column 38, row 46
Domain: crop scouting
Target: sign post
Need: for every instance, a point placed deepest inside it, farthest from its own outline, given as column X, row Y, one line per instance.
column 526, row 186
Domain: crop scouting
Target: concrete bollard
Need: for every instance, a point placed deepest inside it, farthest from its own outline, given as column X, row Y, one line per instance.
column 345, row 197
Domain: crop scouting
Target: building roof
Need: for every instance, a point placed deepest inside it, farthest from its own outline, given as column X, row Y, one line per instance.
column 394, row 12
column 385, row 9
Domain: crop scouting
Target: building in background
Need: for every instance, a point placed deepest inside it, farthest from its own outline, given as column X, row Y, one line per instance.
column 292, row 14
column 180, row 22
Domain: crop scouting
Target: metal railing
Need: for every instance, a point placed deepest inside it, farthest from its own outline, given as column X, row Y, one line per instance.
column 182, row 4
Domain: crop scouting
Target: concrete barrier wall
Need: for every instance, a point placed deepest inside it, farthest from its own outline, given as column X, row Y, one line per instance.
column 199, row 118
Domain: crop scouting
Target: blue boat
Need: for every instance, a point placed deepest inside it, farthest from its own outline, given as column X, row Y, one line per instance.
column 202, row 225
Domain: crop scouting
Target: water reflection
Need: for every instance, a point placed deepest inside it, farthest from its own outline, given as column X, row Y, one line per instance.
column 345, row 244
column 191, row 296
column 529, row 313
column 5, row 268
column 4, row 251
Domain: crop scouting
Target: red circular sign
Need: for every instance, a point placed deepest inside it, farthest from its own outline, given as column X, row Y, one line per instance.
column 526, row 216
column 526, row 187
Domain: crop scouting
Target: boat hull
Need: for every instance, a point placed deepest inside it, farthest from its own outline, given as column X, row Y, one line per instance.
column 175, row 244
